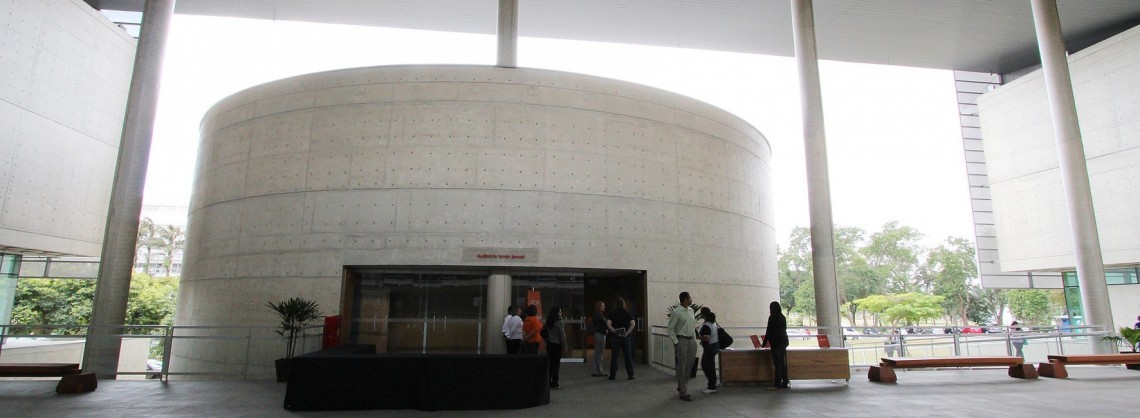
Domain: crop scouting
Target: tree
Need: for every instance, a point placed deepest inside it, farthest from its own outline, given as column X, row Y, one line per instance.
column 151, row 300
column 908, row 308
column 994, row 300
column 856, row 279
column 805, row 293
column 147, row 240
column 53, row 302
column 172, row 239
column 894, row 254
column 68, row 302
column 1031, row 306
column 953, row 271
column 794, row 268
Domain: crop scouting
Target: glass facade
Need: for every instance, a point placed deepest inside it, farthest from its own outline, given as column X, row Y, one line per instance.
column 9, row 271
column 1073, row 290
column 433, row 310
column 416, row 311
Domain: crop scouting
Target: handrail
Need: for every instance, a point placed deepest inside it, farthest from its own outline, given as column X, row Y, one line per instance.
column 865, row 347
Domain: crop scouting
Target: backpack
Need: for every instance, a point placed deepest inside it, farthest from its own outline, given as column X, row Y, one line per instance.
column 723, row 337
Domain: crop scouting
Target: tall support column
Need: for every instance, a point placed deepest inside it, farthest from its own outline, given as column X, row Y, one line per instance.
column 101, row 353
column 819, row 187
column 508, row 34
column 1074, row 171
column 498, row 300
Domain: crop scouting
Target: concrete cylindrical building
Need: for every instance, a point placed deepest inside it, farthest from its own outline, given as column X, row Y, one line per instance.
column 417, row 201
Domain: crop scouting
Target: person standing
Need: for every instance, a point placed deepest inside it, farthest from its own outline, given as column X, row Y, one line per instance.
column 555, row 343
column 531, row 326
column 1017, row 339
column 681, row 332
column 512, row 330
column 601, row 328
column 711, row 345
column 777, row 336
column 892, row 343
column 621, row 325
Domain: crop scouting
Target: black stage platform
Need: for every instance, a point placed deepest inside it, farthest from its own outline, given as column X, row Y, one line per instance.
column 350, row 378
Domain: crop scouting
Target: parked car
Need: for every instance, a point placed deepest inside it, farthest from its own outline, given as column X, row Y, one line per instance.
column 971, row 330
column 851, row 333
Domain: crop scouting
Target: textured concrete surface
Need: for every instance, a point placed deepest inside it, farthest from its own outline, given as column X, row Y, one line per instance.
column 1021, row 154
column 1091, row 391
column 64, row 74
column 412, row 165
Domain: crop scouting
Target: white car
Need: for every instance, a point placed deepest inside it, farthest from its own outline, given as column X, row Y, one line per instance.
column 851, row 333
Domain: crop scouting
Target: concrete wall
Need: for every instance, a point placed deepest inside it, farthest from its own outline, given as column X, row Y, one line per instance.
column 1125, row 304
column 411, row 165
column 1029, row 205
column 64, row 74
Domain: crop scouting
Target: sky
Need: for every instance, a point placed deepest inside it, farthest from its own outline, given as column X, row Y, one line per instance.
column 893, row 138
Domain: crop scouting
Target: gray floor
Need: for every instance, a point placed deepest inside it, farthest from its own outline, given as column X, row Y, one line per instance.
column 1090, row 391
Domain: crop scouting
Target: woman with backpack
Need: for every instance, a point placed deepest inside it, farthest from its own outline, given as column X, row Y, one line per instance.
column 711, row 345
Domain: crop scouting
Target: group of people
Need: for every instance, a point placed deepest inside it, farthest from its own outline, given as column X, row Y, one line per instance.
column 683, row 333
column 523, row 332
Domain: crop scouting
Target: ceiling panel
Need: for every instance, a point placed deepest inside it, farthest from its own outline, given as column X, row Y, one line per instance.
column 970, row 35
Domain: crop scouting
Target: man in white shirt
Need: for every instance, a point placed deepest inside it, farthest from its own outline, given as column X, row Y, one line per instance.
column 682, row 328
column 512, row 330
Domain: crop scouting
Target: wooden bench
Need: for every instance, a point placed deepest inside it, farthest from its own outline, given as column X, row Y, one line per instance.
column 1055, row 368
column 885, row 371
column 73, row 380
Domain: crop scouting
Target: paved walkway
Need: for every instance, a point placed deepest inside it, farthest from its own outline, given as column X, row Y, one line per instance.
column 1090, row 391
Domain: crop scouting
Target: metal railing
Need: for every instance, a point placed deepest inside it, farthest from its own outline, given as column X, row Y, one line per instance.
column 242, row 352
column 867, row 345
column 143, row 345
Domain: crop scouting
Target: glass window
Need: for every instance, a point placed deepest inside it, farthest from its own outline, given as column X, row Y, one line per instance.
column 438, row 312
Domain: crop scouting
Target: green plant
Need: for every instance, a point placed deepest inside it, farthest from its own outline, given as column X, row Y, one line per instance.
column 1130, row 335
column 295, row 313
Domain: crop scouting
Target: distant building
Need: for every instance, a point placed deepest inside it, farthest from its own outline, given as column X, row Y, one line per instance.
column 162, row 216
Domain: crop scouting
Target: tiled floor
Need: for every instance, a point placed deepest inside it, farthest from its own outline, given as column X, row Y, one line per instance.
column 1090, row 391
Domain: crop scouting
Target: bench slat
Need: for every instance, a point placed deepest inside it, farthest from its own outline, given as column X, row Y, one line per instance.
column 38, row 369
column 905, row 363
column 1125, row 358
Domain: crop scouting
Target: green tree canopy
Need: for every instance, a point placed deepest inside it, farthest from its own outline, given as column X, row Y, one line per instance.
column 151, row 301
column 1031, row 306
column 894, row 253
column 171, row 240
column 953, row 271
column 908, row 308
column 794, row 267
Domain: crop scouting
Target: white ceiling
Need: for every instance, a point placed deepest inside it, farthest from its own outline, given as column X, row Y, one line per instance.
column 973, row 35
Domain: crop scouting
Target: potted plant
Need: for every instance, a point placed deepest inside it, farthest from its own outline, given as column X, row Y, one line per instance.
column 295, row 314
column 1130, row 335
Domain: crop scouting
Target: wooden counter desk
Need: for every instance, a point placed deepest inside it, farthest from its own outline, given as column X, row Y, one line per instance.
column 755, row 366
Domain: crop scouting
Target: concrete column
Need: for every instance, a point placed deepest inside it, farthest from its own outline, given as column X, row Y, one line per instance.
column 498, row 299
column 819, row 187
column 101, row 353
column 1074, row 172
column 508, row 34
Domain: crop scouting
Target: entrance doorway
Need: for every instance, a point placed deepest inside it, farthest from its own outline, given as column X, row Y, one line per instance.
column 411, row 309
column 608, row 286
